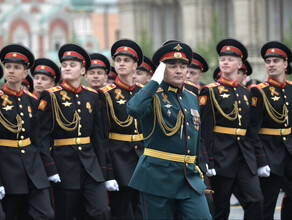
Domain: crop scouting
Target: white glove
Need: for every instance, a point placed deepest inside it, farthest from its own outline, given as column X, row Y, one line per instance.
column 111, row 185
column 264, row 171
column 55, row 178
column 210, row 172
column 159, row 73
column 2, row 192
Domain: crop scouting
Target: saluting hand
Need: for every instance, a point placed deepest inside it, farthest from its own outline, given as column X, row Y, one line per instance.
column 55, row 178
column 2, row 192
column 159, row 73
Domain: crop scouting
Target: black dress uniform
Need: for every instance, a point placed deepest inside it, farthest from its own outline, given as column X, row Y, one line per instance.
column 22, row 170
column 225, row 112
column 71, row 127
column 271, row 114
column 126, row 139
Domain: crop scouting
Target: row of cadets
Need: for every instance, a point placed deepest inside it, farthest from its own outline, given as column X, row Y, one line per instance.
column 225, row 113
column 22, row 170
column 125, row 133
column 71, row 125
column 166, row 175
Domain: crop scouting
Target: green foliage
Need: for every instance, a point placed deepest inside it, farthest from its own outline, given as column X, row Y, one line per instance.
column 208, row 51
column 146, row 43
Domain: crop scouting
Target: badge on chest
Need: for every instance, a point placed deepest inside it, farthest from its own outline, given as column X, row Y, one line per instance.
column 196, row 118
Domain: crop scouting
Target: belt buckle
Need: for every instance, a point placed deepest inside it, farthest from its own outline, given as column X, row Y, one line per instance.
column 78, row 141
column 282, row 131
column 237, row 131
column 20, row 143
column 133, row 137
column 187, row 159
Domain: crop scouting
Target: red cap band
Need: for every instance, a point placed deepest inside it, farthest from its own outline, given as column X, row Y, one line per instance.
column 276, row 50
column 18, row 55
column 230, row 48
column 244, row 67
column 147, row 67
column 73, row 53
column 26, row 82
column 197, row 63
column 97, row 62
column 128, row 49
column 174, row 55
column 47, row 68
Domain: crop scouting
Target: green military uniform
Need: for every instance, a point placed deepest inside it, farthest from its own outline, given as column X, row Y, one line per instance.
column 166, row 174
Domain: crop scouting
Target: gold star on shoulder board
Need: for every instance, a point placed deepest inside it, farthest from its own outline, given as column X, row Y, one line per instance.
column 224, row 96
column 8, row 107
column 275, row 98
column 121, row 101
column 67, row 104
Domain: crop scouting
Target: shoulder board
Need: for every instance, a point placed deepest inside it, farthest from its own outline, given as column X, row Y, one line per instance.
column 191, row 92
column 212, row 85
column 108, row 88
column 1, row 92
column 159, row 90
column 54, row 89
column 89, row 89
column 262, row 85
column 289, row 82
column 140, row 84
column 30, row 94
column 242, row 85
column 190, row 83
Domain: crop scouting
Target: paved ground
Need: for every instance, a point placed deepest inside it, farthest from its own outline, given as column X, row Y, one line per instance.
column 236, row 212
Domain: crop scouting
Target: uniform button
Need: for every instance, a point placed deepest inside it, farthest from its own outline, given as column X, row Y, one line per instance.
column 80, row 126
column 20, row 106
column 238, row 138
column 19, row 99
column 21, row 114
column 136, row 147
column 79, row 133
column 79, row 148
column 239, row 124
column 186, row 110
column 285, row 125
column 285, row 96
column 284, row 138
column 79, row 103
column 77, row 95
column 22, row 122
column 187, row 164
column 239, row 109
column 131, row 93
column 189, row 137
column 287, row 103
column 22, row 151
column 189, row 151
column 21, row 137
column 237, row 95
column 180, row 98
column 79, row 110
column 187, row 123
column 283, row 90
column 23, row 129
column 234, row 89
column 239, row 102
column 135, row 131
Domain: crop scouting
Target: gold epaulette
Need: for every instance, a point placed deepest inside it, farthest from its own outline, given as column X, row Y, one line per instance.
column 262, row 85
column 159, row 90
column 190, row 92
column 108, row 88
column 89, row 89
column 30, row 94
column 140, row 84
column 212, row 85
column 289, row 82
column 54, row 89
column 190, row 83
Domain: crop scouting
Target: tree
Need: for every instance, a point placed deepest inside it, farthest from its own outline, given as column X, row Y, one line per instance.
column 146, row 43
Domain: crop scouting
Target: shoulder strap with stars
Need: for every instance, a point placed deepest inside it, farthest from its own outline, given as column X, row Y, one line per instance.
column 89, row 89
column 108, row 87
column 212, row 85
column 54, row 89
column 30, row 94
column 262, row 85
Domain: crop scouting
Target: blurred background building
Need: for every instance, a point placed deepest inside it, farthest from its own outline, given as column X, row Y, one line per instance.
column 45, row 25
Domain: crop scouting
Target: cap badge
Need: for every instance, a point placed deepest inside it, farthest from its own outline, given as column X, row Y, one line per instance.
column 228, row 48
column 177, row 55
column 69, row 53
column 273, row 50
column 125, row 48
column 42, row 67
column 95, row 62
column 178, row 47
column 15, row 55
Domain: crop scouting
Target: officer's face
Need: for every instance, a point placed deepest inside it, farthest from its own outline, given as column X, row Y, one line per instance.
column 125, row 65
column 194, row 75
column 96, row 77
column 42, row 82
column 275, row 66
column 175, row 74
column 72, row 70
column 141, row 76
column 14, row 72
column 229, row 64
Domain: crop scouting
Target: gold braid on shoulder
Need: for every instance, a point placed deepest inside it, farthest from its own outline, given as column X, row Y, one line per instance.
column 276, row 116
column 110, row 109
column 227, row 116
column 10, row 126
column 57, row 114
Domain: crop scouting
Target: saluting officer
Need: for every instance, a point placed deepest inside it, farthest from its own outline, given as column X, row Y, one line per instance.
column 71, row 122
column 225, row 112
column 22, row 171
column 271, row 113
column 167, row 176
column 46, row 74
column 144, row 72
column 126, row 139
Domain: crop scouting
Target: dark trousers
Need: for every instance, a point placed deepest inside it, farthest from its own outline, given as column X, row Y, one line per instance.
column 92, row 197
column 34, row 205
column 124, row 204
column 162, row 208
column 249, row 187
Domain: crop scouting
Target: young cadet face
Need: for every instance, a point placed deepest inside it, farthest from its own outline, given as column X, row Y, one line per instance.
column 14, row 72
column 241, row 75
column 42, row 82
column 96, row 77
column 275, row 66
column 72, row 70
column 194, row 75
column 229, row 64
column 125, row 65
column 141, row 76
column 175, row 74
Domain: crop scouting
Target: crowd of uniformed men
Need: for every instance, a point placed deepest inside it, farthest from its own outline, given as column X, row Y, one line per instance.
column 145, row 139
